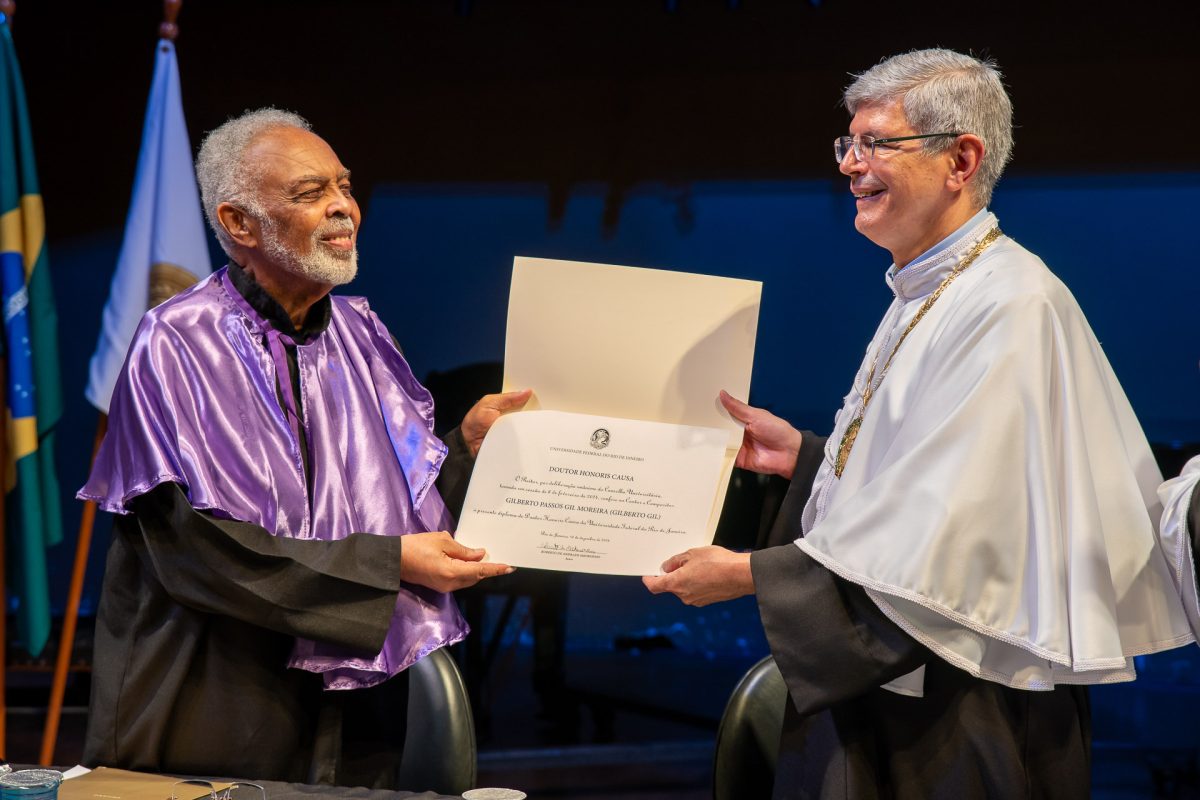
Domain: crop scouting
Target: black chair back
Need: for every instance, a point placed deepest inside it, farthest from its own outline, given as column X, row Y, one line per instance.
column 439, row 750
column 748, row 739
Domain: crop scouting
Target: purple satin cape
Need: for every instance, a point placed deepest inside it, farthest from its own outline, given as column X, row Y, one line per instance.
column 196, row 404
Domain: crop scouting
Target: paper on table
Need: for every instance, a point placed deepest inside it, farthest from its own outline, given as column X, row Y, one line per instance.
column 585, row 493
column 634, row 343
column 107, row 783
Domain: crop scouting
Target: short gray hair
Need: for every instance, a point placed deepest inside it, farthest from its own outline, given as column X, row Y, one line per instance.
column 221, row 167
column 945, row 91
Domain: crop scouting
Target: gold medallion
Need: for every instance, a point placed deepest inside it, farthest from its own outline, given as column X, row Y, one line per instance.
column 847, row 442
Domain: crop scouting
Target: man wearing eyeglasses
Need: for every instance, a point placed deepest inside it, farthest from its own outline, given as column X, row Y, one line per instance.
column 975, row 540
column 280, row 555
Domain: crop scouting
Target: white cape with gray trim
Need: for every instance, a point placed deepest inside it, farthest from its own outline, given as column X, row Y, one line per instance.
column 1000, row 500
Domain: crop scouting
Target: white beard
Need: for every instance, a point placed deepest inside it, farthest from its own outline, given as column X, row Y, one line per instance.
column 320, row 263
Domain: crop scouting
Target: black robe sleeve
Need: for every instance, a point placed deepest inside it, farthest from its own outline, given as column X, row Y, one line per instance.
column 796, row 492
column 299, row 587
column 241, row 570
column 830, row 641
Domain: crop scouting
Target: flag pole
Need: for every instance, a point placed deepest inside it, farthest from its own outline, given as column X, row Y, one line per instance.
column 168, row 30
column 66, row 642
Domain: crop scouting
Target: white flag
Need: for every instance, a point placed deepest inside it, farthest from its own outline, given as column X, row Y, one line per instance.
column 165, row 248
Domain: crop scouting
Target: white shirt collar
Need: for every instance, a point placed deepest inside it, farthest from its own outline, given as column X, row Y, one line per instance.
column 923, row 274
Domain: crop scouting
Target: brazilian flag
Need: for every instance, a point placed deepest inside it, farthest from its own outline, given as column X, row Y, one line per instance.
column 30, row 349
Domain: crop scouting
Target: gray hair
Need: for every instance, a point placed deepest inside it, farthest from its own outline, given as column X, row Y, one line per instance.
column 945, row 91
column 222, row 170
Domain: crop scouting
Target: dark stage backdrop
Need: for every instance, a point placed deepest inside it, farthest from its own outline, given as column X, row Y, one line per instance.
column 685, row 135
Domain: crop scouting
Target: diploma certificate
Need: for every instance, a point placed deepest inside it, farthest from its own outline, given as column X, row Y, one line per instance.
column 585, row 493
column 575, row 481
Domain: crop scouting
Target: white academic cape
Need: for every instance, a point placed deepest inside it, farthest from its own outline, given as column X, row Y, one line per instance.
column 999, row 503
column 1176, row 498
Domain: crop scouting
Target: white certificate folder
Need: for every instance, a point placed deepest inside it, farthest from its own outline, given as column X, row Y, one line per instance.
column 620, row 342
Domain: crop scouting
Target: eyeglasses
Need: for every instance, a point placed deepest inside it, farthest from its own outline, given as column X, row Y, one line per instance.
column 203, row 790
column 860, row 144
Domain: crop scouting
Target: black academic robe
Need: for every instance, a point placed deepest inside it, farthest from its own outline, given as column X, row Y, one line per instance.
column 844, row 737
column 196, row 622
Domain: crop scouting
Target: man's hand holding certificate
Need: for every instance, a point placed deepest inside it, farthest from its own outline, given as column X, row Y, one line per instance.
column 622, row 457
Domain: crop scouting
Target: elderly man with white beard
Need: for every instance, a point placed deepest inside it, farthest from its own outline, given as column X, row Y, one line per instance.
column 280, row 555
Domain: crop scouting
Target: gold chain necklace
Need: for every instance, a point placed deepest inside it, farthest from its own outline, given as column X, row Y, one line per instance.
column 852, row 429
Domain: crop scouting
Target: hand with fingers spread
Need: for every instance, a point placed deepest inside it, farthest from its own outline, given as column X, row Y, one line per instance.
column 483, row 415
column 435, row 560
column 770, row 445
column 704, row 575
